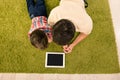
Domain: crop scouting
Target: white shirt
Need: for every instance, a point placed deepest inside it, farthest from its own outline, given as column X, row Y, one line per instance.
column 74, row 11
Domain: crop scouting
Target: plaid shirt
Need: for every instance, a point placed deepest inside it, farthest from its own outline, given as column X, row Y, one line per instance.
column 40, row 22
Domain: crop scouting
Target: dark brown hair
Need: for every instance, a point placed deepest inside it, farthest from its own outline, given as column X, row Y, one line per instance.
column 39, row 39
column 63, row 32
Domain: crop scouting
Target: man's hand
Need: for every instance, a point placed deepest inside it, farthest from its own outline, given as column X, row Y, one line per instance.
column 67, row 48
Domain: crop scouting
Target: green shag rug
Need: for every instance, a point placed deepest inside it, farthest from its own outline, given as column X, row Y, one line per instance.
column 96, row 54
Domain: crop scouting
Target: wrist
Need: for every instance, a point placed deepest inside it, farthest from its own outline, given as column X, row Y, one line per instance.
column 72, row 45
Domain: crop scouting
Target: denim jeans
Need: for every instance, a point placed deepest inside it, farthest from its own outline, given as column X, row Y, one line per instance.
column 36, row 8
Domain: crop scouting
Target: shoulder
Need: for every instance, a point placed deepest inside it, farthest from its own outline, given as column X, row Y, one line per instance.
column 54, row 10
column 85, row 25
column 53, row 15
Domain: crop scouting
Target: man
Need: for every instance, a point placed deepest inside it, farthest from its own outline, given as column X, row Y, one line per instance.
column 70, row 13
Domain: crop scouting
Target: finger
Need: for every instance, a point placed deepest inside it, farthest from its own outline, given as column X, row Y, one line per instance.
column 69, row 50
column 65, row 47
column 65, row 51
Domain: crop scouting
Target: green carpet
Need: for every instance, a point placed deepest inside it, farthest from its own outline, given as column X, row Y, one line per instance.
column 96, row 54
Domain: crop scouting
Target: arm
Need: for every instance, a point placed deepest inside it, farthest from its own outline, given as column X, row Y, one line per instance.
column 80, row 37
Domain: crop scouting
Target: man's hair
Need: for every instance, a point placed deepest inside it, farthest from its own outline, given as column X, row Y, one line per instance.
column 39, row 39
column 63, row 32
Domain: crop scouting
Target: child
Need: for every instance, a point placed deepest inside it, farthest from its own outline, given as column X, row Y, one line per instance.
column 40, row 32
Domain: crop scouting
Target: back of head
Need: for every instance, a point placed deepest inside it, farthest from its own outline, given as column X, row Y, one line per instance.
column 63, row 32
column 39, row 39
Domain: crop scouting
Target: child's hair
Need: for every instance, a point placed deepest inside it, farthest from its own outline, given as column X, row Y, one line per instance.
column 39, row 39
column 63, row 32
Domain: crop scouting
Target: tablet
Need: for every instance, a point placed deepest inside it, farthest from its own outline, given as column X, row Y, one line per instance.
column 55, row 60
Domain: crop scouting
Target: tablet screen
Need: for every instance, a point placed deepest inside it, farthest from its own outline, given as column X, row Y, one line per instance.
column 55, row 59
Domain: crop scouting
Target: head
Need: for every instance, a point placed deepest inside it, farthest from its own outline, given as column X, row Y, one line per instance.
column 39, row 39
column 63, row 32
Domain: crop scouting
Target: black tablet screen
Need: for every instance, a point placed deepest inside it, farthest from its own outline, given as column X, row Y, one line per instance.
column 55, row 60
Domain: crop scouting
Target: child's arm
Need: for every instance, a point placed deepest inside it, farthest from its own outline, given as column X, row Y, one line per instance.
column 80, row 37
